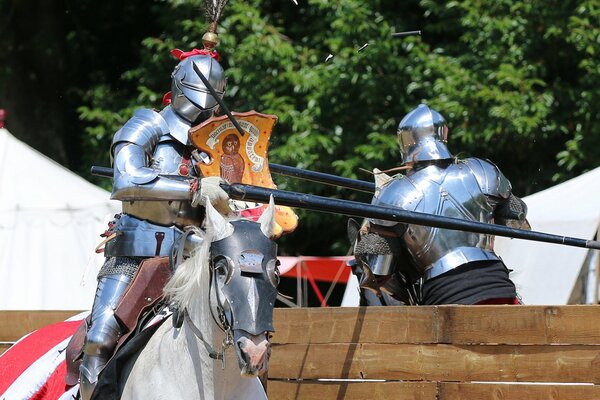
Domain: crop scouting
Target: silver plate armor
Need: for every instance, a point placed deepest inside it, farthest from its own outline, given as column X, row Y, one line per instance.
column 381, row 264
column 468, row 189
column 155, row 193
column 189, row 96
column 378, row 252
column 144, row 129
column 422, row 135
column 152, row 172
column 178, row 127
column 103, row 332
column 145, row 239
column 240, row 286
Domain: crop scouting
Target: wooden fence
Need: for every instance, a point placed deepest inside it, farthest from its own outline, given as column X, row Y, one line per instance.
column 420, row 353
column 437, row 353
column 15, row 324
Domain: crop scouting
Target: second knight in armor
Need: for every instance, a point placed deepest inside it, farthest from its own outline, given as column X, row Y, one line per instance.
column 451, row 266
column 160, row 190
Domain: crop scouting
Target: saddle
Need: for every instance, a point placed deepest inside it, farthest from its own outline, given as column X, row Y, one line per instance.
column 142, row 296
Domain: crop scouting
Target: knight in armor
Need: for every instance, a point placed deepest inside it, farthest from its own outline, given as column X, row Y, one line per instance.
column 446, row 266
column 160, row 190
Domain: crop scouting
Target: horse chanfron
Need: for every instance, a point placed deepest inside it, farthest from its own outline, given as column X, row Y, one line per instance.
column 244, row 271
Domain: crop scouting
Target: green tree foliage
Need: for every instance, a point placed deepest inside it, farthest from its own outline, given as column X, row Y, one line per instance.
column 517, row 82
column 54, row 54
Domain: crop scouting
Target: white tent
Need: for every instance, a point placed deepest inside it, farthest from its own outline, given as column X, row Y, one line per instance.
column 50, row 221
column 546, row 273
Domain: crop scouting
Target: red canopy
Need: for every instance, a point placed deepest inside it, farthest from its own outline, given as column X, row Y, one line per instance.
column 313, row 269
column 323, row 269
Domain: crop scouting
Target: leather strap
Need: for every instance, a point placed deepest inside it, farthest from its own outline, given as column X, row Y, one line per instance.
column 186, row 161
column 213, row 354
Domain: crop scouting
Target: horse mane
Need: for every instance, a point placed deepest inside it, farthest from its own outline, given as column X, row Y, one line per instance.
column 191, row 276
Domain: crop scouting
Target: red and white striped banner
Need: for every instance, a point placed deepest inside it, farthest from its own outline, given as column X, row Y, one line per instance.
column 34, row 368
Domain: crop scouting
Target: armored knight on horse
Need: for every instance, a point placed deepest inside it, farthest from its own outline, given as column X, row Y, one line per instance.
column 163, row 190
column 149, row 149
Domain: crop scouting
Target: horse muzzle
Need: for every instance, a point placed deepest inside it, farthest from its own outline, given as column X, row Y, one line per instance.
column 253, row 353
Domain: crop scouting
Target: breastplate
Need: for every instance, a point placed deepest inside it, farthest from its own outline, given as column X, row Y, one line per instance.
column 168, row 158
column 451, row 192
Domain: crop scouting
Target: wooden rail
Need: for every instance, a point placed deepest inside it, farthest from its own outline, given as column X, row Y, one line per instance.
column 424, row 353
column 437, row 353
column 16, row 324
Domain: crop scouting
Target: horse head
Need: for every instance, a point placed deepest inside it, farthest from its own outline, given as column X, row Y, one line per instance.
column 245, row 275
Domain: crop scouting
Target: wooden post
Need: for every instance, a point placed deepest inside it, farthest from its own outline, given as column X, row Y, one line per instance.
column 299, row 284
column 597, row 270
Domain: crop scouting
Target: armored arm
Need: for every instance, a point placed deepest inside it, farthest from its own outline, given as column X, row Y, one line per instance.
column 135, row 180
column 132, row 150
column 509, row 210
column 381, row 267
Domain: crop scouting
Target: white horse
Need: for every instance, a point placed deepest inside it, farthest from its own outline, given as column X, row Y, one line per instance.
column 226, row 291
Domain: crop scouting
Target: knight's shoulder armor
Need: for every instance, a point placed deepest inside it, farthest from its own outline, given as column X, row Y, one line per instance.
column 144, row 128
column 400, row 192
column 491, row 181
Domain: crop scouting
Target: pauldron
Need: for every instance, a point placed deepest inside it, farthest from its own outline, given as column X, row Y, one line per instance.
column 144, row 129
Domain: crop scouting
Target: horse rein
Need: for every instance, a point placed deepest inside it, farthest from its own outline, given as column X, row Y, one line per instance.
column 222, row 323
column 211, row 352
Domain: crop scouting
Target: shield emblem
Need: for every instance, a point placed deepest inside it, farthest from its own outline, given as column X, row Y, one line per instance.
column 241, row 158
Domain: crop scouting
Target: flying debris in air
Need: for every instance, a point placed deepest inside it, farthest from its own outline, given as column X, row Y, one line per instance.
column 408, row 33
column 329, row 57
column 295, row 2
column 364, row 46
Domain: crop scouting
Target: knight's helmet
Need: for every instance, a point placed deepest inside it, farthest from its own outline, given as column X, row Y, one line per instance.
column 190, row 98
column 422, row 135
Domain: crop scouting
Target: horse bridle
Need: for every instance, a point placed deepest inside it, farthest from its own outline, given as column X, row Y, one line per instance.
column 222, row 322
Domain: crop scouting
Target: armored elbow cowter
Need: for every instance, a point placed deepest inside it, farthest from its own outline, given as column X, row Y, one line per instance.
column 133, row 180
column 132, row 148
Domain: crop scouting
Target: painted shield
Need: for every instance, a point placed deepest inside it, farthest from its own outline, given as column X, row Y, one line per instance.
column 241, row 159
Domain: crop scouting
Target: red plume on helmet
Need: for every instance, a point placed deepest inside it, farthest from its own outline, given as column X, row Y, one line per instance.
column 180, row 54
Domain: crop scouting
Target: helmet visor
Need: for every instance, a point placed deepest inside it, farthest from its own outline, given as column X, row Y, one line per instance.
column 198, row 95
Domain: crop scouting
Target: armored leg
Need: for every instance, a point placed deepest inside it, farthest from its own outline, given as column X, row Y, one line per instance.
column 103, row 332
